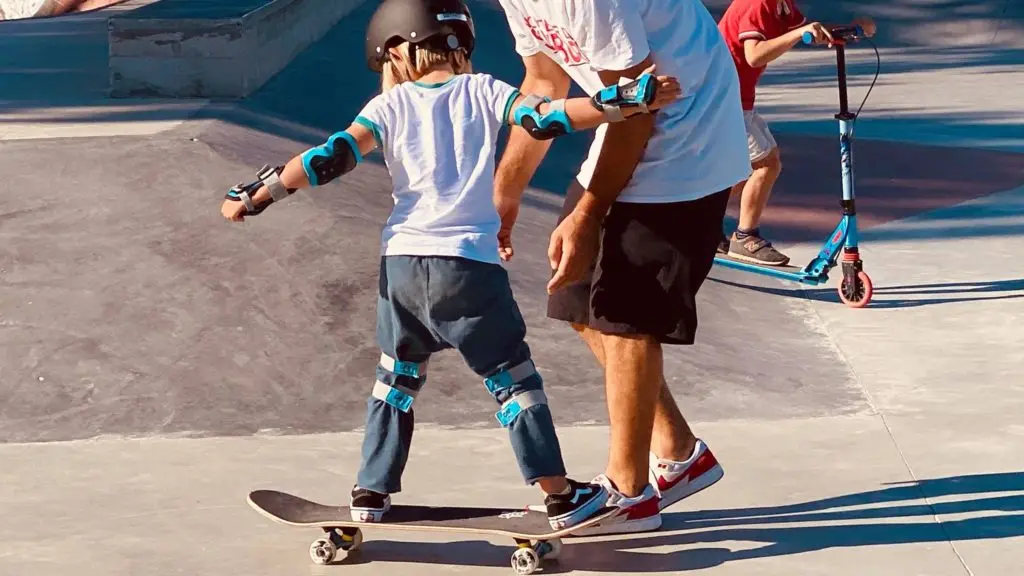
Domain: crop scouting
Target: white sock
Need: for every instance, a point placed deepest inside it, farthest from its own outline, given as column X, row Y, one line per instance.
column 688, row 461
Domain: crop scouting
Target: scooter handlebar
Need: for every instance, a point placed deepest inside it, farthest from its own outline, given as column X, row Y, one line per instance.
column 840, row 32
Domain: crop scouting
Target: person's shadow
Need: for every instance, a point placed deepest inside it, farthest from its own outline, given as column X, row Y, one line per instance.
column 867, row 520
column 745, row 525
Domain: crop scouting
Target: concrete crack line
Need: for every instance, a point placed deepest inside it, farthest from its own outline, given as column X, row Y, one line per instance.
column 888, row 430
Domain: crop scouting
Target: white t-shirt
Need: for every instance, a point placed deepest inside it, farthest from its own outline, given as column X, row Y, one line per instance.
column 439, row 143
column 699, row 145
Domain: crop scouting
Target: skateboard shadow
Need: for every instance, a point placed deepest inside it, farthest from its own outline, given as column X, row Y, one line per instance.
column 905, row 296
column 475, row 553
column 708, row 537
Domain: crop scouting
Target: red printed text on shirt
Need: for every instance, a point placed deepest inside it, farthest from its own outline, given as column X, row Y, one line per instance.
column 557, row 39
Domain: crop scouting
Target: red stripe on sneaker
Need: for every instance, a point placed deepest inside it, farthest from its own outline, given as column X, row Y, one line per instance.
column 644, row 509
column 704, row 463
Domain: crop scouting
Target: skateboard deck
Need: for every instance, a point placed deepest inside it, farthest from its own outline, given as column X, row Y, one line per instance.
column 535, row 538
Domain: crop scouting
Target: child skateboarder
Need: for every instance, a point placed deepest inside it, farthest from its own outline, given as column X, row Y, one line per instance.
column 441, row 282
column 757, row 33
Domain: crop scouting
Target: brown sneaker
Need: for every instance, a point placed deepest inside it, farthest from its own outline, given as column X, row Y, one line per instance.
column 756, row 250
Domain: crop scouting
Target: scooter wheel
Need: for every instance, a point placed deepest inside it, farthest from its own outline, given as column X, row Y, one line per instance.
column 856, row 291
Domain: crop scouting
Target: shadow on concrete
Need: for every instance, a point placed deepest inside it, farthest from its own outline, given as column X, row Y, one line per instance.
column 698, row 529
column 905, row 296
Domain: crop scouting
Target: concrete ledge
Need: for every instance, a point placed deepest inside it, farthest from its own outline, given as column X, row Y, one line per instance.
column 161, row 53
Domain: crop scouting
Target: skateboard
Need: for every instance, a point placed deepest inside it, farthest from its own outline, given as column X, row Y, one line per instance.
column 534, row 538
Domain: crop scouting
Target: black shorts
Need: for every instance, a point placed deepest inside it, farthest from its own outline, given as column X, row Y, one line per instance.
column 653, row 259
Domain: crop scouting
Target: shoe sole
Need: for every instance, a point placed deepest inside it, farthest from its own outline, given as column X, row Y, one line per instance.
column 612, row 527
column 706, row 480
column 753, row 260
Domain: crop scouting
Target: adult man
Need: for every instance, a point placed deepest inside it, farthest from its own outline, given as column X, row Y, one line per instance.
column 652, row 194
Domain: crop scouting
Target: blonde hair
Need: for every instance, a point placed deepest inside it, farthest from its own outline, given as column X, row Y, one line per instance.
column 398, row 70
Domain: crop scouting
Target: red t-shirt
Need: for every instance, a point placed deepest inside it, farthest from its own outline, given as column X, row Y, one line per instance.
column 755, row 19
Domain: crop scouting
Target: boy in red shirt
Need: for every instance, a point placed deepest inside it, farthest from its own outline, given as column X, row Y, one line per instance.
column 758, row 32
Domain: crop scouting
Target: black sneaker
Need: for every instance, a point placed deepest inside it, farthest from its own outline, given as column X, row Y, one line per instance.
column 757, row 250
column 367, row 505
column 581, row 503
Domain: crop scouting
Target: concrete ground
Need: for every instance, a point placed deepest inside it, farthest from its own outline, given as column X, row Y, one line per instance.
column 157, row 363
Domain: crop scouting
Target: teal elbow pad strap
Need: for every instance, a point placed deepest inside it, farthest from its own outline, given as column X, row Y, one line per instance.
column 331, row 159
column 555, row 122
column 611, row 100
column 517, row 404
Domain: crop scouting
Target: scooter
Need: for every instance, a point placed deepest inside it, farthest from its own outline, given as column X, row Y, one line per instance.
column 855, row 290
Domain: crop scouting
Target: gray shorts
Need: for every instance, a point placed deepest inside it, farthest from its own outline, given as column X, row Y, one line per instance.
column 760, row 141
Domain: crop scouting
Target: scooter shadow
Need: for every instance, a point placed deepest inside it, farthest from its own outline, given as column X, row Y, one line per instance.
column 907, row 296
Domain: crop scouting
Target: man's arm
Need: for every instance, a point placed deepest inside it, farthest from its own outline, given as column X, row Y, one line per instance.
column 623, row 146
column 523, row 153
column 574, row 243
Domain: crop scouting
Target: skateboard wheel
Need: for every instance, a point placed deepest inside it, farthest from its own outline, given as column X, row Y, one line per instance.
column 549, row 549
column 855, row 290
column 525, row 561
column 322, row 551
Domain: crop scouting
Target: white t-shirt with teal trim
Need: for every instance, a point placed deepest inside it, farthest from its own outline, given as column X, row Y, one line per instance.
column 699, row 145
column 439, row 144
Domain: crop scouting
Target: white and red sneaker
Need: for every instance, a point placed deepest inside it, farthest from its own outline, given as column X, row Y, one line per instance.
column 678, row 480
column 636, row 514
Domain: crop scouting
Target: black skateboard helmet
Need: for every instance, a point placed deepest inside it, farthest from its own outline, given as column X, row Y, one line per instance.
column 444, row 25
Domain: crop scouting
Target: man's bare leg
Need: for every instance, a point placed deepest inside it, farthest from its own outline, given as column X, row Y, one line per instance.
column 633, row 379
column 671, row 436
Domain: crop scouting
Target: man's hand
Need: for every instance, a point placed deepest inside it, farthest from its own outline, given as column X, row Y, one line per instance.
column 574, row 246
column 576, row 241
